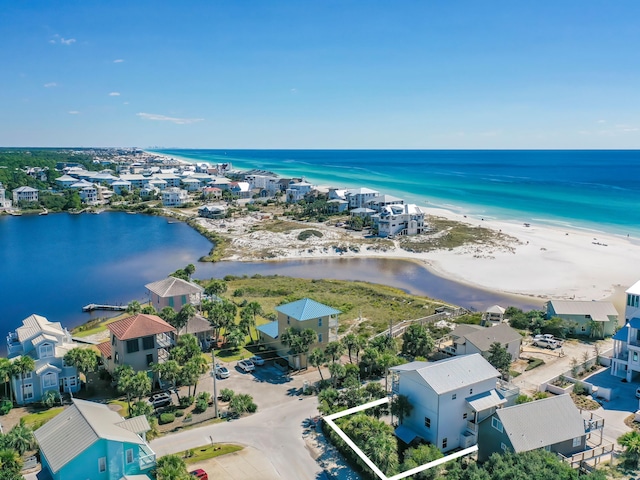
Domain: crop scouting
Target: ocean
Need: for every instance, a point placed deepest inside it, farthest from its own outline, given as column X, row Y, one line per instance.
column 593, row 189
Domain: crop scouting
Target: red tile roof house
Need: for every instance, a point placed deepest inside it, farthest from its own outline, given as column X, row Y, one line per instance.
column 139, row 341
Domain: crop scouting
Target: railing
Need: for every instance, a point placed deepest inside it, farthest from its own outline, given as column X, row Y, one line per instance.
column 399, row 329
column 586, row 456
column 624, row 356
column 472, row 427
column 163, row 340
column 147, row 457
column 333, row 323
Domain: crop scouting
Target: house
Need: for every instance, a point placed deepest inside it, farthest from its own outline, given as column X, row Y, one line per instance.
column 297, row 191
column 450, row 399
column 174, row 197
column 553, row 424
column 191, row 184
column 89, row 195
column 362, row 212
column 336, row 205
column 240, row 189
column 468, row 339
column 265, row 182
column 493, row 316
column 358, row 197
column 120, row 186
column 89, row 440
column 625, row 361
column 222, row 183
column 24, row 194
column 137, row 180
column 595, row 319
column 139, row 341
column 212, row 211
column 169, row 179
column 199, row 327
column 5, row 203
column 174, row 292
column 379, row 202
column 211, row 193
column 47, row 343
column 301, row 315
column 65, row 181
column 399, row 220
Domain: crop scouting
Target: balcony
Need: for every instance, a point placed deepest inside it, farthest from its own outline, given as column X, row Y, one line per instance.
column 163, row 340
column 333, row 323
column 622, row 356
column 147, row 457
column 472, row 427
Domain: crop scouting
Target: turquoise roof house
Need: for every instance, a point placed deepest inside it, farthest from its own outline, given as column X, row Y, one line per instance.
column 89, row 440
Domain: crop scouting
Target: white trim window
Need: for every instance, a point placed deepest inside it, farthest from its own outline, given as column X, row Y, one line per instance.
column 129, row 455
column 46, row 350
column 577, row 441
column 28, row 375
column 28, row 391
column 497, row 424
column 102, row 464
column 49, row 380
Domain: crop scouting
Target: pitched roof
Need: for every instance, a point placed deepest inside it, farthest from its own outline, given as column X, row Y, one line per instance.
column 496, row 309
column 105, row 349
column 306, row 309
column 138, row 424
column 599, row 311
column 542, row 422
column 196, row 324
column 452, row 373
column 78, row 427
column 464, row 329
column 139, row 325
column 502, row 334
column 634, row 289
column 270, row 329
column 34, row 325
column 360, row 191
column 172, row 286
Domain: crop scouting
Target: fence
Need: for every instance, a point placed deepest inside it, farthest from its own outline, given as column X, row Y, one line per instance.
column 400, row 328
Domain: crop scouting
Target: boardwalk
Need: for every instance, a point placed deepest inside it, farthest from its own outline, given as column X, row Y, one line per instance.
column 94, row 306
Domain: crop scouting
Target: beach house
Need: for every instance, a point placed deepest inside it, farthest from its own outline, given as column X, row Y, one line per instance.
column 47, row 343
column 139, row 341
column 24, row 194
column 450, row 399
column 297, row 191
column 594, row 319
column 467, row 339
column 494, row 315
column 212, row 211
column 379, row 202
column 358, row 197
column 405, row 219
column 65, row 181
column 174, row 197
column 553, row 424
column 89, row 440
column 5, row 203
column 625, row 360
column 121, row 186
column 300, row 315
column 174, row 292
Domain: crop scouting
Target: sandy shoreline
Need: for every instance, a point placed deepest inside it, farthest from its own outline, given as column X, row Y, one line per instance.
column 544, row 262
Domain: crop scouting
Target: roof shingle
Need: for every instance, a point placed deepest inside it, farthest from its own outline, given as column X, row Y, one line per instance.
column 139, row 325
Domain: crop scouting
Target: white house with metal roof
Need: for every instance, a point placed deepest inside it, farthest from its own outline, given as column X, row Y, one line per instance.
column 300, row 315
column 625, row 361
column 174, row 197
column 24, row 194
column 358, row 197
column 47, row 343
column 450, row 398
column 595, row 319
column 407, row 219
column 89, row 440
column 554, row 424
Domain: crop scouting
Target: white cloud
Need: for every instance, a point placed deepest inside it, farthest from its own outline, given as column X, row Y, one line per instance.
column 125, row 103
column 73, row 112
column 61, row 40
column 114, row 94
column 164, row 118
column 50, row 85
column 118, row 60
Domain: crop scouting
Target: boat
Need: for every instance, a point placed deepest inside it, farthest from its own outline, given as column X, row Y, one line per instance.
column 43, row 213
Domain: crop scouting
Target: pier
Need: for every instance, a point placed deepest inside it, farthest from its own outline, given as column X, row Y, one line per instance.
column 113, row 308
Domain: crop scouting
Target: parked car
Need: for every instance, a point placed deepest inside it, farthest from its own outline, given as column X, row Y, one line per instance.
column 161, row 399
column 257, row 360
column 222, row 371
column 246, row 366
column 200, row 473
column 549, row 343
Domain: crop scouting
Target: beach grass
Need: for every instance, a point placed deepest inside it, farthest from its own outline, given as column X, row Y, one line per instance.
column 278, row 226
column 207, row 452
column 374, row 304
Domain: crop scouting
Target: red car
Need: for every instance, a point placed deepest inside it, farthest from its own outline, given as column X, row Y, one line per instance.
column 200, row 473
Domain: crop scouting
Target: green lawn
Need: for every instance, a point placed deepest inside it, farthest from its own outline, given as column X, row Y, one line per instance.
column 36, row 420
column 206, row 452
column 124, row 412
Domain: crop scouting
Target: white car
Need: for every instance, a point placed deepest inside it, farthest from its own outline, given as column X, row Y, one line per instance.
column 246, row 366
column 221, row 371
column 549, row 343
column 257, row 360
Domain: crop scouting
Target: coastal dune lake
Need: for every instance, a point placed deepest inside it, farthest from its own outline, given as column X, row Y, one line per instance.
column 53, row 265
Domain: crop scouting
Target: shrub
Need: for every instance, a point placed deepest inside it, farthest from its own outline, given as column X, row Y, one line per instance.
column 186, row 401
column 238, row 292
column 540, row 395
column 252, row 407
column 179, row 413
column 579, row 389
column 166, row 418
column 226, row 394
column 309, row 233
column 201, row 405
column 5, row 406
column 533, row 363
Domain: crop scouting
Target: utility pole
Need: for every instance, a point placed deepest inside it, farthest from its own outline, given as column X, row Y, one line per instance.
column 215, row 387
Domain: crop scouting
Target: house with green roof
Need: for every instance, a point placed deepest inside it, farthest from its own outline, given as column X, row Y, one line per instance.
column 300, row 315
column 89, row 440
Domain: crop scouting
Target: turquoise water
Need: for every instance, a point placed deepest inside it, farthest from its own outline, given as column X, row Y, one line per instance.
column 586, row 189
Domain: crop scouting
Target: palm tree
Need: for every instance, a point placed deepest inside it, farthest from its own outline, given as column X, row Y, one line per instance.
column 253, row 309
column 246, row 322
column 22, row 366
column 168, row 371
column 382, row 450
column 171, row 467
column 317, row 359
column 123, row 376
column 337, row 372
column 631, row 442
column 190, row 270
column 134, row 307
column 193, row 369
column 401, row 407
column 334, row 350
column 85, row 360
column 49, row 398
column 187, row 312
column 167, row 314
column 5, row 373
column 216, row 287
column 21, row 438
column 235, row 337
column 385, row 361
column 10, row 463
column 299, row 341
column 140, row 385
column 350, row 341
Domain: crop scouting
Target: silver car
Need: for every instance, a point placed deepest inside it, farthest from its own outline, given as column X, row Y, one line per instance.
column 246, row 366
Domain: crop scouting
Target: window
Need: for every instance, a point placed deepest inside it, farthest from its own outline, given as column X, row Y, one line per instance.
column 72, row 381
column 454, row 396
column 427, row 422
column 133, row 346
column 28, row 391
column 129, row 453
column 497, row 424
column 149, row 359
column 27, row 376
column 547, row 448
column 635, row 356
column 319, row 322
column 444, row 443
column 470, row 391
column 464, row 416
column 148, row 343
column 184, row 299
column 319, row 338
column 46, row 350
column 171, row 302
column 49, row 380
column 577, row 441
column 583, row 328
column 113, row 340
column 116, row 358
column 102, row 464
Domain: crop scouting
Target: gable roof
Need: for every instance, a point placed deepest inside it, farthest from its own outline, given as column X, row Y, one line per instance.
column 452, row 373
column 464, row 329
column 599, row 311
column 172, row 286
column 35, row 325
column 139, row 325
column 496, row 309
column 196, row 324
column 634, row 289
column 306, row 309
column 270, row 329
column 105, row 349
column 78, row 427
column 502, row 334
column 541, row 422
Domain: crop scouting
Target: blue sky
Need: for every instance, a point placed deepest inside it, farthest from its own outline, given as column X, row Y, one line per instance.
column 320, row 74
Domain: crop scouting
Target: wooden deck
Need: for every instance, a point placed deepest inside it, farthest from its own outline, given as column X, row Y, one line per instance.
column 95, row 306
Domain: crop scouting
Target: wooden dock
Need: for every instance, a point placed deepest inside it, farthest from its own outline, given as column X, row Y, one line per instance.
column 95, row 306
